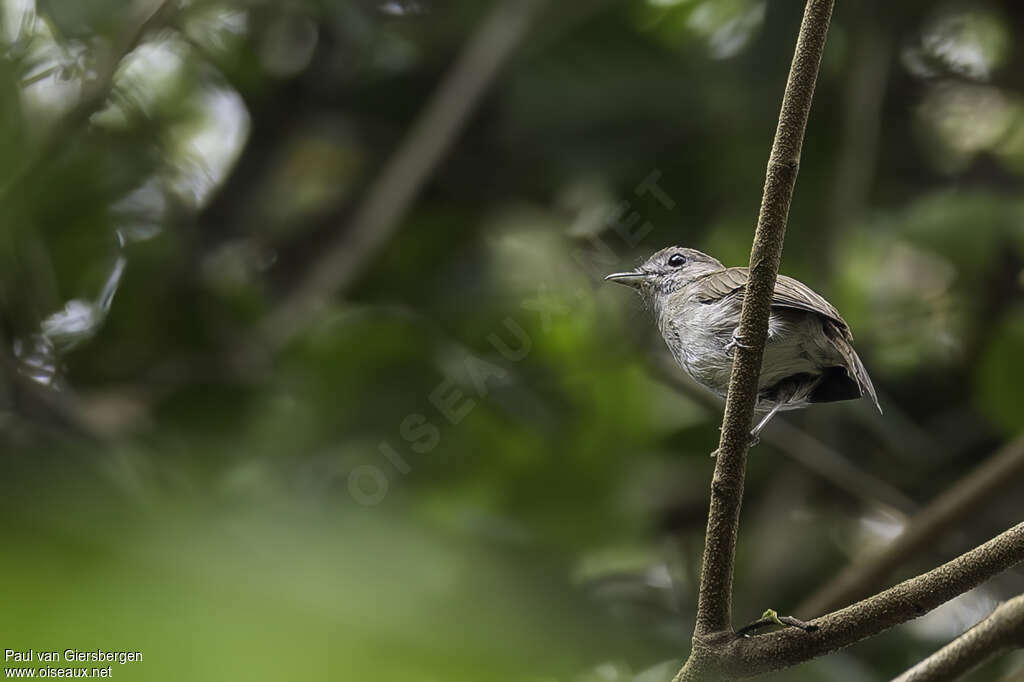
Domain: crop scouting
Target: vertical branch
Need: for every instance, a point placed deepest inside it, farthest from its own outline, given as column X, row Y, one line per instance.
column 714, row 605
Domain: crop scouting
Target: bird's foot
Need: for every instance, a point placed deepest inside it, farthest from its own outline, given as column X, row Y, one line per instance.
column 737, row 341
column 769, row 618
column 754, row 440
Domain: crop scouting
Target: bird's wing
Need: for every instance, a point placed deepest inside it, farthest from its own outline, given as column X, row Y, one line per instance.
column 789, row 293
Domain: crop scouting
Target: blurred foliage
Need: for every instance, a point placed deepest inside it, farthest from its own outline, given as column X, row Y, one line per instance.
column 470, row 467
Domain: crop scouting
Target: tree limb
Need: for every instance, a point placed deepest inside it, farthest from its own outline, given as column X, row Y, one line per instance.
column 957, row 503
column 714, row 603
column 378, row 216
column 1002, row 630
column 718, row 653
column 726, row 656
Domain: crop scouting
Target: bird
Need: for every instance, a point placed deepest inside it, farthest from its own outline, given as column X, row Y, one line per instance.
column 808, row 357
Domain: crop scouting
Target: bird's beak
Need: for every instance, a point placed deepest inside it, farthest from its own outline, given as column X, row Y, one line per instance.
column 630, row 279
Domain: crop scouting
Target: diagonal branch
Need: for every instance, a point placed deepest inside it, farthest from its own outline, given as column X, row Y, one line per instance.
column 377, row 218
column 714, row 604
column 1001, row 631
column 906, row 601
column 727, row 656
column 956, row 504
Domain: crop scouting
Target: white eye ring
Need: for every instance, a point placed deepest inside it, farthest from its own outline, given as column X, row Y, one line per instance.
column 677, row 260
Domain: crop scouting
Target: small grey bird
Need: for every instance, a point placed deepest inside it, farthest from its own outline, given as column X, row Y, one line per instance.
column 809, row 355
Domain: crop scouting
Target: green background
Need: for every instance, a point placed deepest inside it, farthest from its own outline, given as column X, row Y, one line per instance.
column 164, row 488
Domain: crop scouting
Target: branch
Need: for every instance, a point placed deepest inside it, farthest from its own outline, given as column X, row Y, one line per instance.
column 1002, row 630
column 728, row 656
column 714, row 604
column 718, row 653
column 379, row 215
column 957, row 503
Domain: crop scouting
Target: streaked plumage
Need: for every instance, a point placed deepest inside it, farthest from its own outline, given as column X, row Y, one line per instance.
column 809, row 356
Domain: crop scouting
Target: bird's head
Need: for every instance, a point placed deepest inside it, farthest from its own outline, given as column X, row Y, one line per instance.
column 667, row 271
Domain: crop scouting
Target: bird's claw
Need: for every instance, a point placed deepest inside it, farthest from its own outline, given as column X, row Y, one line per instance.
column 737, row 342
column 754, row 440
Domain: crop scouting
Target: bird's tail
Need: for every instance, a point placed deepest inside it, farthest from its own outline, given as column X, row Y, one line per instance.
column 856, row 368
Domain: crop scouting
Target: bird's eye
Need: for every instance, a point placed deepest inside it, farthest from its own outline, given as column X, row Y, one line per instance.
column 677, row 260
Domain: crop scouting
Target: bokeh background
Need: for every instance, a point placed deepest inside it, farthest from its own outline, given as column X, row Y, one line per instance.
column 469, row 460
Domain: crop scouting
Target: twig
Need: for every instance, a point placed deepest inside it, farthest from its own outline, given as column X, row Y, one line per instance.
column 714, row 603
column 379, row 215
column 1001, row 631
column 725, row 656
column 769, row 618
column 999, row 471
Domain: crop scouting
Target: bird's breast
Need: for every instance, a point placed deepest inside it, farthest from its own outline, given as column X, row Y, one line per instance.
column 697, row 334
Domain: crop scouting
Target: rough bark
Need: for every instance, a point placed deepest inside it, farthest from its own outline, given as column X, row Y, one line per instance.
column 714, row 605
column 725, row 656
column 1003, row 630
column 718, row 653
